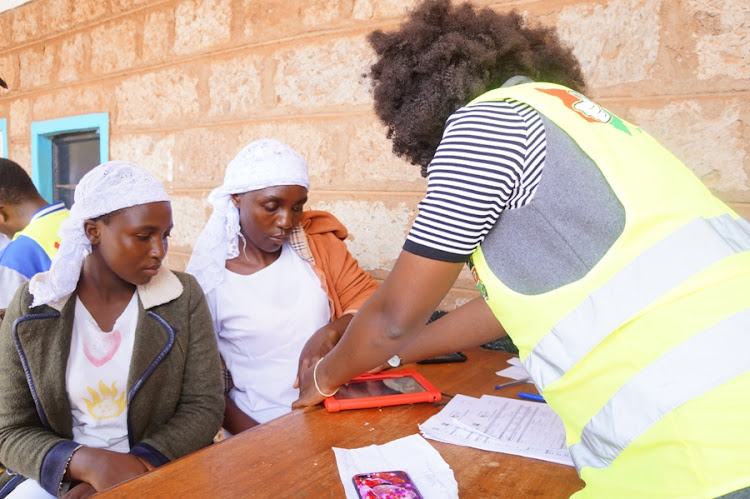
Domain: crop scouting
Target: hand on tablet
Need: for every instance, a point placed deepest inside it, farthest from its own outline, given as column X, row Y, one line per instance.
column 320, row 343
column 308, row 394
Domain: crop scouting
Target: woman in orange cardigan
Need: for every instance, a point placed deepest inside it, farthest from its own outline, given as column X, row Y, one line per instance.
column 274, row 276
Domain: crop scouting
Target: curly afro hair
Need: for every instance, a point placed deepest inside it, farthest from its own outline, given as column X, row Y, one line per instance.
column 445, row 56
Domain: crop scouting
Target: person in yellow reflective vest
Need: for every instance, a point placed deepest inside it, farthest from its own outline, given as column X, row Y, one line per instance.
column 614, row 270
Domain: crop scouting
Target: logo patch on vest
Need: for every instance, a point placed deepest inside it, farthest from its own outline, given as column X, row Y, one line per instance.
column 480, row 285
column 587, row 109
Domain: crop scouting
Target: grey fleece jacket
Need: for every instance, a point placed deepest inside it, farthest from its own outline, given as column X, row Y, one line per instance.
column 175, row 390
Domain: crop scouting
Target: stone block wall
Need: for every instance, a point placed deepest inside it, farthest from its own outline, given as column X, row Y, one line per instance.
column 187, row 83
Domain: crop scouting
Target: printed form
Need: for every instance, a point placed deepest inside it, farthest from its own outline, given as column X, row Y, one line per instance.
column 499, row 424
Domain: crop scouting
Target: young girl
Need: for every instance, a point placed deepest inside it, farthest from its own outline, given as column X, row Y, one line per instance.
column 108, row 363
column 274, row 277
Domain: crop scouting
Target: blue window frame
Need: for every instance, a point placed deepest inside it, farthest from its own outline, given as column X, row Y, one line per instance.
column 43, row 134
column 3, row 138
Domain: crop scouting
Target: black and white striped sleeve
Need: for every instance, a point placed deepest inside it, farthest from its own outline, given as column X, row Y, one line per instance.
column 490, row 159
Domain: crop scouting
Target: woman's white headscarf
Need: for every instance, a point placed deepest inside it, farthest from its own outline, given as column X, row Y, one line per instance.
column 260, row 164
column 109, row 187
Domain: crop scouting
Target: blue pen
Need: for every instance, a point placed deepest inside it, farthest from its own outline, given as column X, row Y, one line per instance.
column 531, row 396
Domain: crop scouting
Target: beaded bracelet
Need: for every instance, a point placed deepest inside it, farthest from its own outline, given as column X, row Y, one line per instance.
column 315, row 380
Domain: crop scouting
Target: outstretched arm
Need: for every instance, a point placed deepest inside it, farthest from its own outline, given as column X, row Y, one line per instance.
column 320, row 343
column 468, row 326
column 385, row 324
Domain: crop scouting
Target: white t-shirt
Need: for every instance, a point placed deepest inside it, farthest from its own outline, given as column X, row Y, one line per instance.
column 262, row 321
column 4, row 241
column 97, row 378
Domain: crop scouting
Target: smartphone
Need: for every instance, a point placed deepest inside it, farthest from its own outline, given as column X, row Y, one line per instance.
column 444, row 359
column 385, row 485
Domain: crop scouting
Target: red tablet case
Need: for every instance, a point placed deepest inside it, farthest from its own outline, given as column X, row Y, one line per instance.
column 431, row 394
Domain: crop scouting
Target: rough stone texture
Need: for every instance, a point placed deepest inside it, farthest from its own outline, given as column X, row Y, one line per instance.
column 263, row 19
column 324, row 74
column 377, row 229
column 370, row 161
column 9, row 71
column 723, row 45
column 313, row 140
column 190, row 159
column 5, row 27
column 167, row 96
column 343, row 155
column 201, row 156
column 37, row 66
column 118, row 38
column 87, row 10
column 617, row 42
column 234, row 87
column 189, row 216
column 201, row 24
column 19, row 124
column 73, row 58
column 332, row 149
column 260, row 20
column 57, row 15
column 21, row 154
column 153, row 152
column 367, row 10
column 125, row 5
column 320, row 12
column 156, row 31
column 340, row 156
column 59, row 103
column 708, row 139
column 26, row 22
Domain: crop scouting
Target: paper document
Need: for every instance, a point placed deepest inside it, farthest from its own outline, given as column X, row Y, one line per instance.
column 515, row 371
column 500, row 424
column 413, row 454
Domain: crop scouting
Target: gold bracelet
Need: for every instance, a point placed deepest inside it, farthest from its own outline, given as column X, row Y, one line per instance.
column 315, row 380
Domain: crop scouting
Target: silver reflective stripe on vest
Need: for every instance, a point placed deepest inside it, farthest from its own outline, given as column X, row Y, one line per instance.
column 670, row 381
column 680, row 255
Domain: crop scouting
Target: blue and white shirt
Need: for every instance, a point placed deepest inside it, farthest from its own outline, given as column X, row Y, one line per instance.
column 31, row 250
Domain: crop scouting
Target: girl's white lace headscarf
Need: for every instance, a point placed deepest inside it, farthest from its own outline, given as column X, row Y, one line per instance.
column 263, row 163
column 109, row 187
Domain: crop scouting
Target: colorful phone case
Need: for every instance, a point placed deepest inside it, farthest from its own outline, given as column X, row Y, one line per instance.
column 385, row 485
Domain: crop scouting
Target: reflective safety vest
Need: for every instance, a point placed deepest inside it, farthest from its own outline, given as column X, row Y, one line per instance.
column 645, row 355
column 32, row 249
column 44, row 226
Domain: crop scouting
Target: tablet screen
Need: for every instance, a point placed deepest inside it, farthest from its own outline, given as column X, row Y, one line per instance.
column 378, row 388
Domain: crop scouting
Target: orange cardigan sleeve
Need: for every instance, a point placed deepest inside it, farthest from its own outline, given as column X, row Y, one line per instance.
column 348, row 285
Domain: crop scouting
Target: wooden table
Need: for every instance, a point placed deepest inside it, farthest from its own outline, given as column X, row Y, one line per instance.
column 292, row 457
